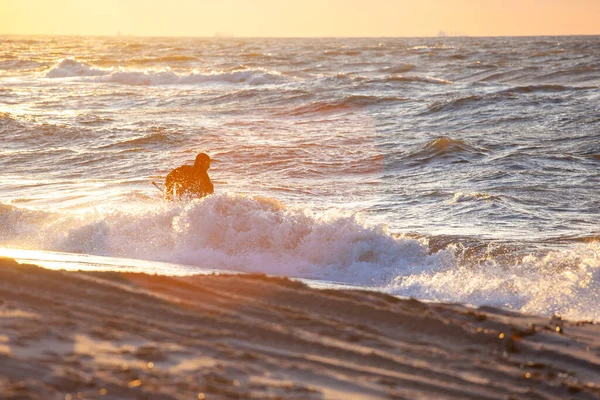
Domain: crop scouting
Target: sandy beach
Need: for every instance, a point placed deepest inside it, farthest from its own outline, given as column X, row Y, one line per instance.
column 93, row 335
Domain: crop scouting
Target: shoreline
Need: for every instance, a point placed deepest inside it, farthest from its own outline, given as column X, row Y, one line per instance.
column 116, row 335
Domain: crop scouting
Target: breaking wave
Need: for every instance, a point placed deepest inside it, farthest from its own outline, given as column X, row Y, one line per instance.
column 461, row 197
column 253, row 234
column 70, row 68
column 228, row 231
column 564, row 283
column 171, row 58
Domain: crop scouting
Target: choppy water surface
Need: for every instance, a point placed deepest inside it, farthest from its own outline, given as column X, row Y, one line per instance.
column 455, row 169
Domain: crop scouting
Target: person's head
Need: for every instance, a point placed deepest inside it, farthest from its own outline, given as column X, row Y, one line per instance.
column 202, row 161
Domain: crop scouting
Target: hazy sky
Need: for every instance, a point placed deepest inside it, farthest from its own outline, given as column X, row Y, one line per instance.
column 300, row 17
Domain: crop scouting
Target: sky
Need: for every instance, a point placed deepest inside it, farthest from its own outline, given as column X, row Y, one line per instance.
column 300, row 18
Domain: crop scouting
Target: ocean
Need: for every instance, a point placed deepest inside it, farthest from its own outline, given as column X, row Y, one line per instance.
column 448, row 169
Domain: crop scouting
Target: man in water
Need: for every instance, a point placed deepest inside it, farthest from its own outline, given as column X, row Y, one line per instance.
column 190, row 181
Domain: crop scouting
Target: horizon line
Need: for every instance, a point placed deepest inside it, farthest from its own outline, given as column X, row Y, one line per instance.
column 294, row 37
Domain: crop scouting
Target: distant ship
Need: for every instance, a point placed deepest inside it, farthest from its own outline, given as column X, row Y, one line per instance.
column 451, row 34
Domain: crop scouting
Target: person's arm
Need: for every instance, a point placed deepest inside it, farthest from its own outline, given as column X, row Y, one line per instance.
column 207, row 185
column 210, row 189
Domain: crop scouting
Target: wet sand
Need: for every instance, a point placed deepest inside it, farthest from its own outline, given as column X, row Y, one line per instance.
column 90, row 335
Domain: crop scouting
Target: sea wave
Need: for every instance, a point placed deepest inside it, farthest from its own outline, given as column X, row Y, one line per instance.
column 342, row 52
column 6, row 116
column 249, row 76
column 418, row 79
column 343, row 104
column 461, row 197
column 564, row 283
column 578, row 73
column 427, row 48
column 254, row 234
column 544, row 88
column 70, row 68
column 454, row 104
column 398, row 69
column 511, row 93
column 154, row 138
column 229, row 231
column 170, row 58
column 20, row 64
column 446, row 148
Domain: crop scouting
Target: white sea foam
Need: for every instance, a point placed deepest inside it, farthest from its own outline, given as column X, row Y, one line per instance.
column 236, row 232
column 70, row 68
column 231, row 232
column 434, row 47
column 461, row 197
column 565, row 282
column 249, row 76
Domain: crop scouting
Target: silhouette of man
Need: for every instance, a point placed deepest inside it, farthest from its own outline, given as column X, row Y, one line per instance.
column 190, row 181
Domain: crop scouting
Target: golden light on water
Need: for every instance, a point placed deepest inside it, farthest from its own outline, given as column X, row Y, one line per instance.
column 276, row 18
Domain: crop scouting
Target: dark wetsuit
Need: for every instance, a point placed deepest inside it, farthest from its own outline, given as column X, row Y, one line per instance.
column 188, row 181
